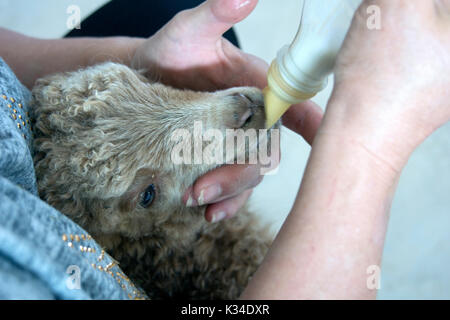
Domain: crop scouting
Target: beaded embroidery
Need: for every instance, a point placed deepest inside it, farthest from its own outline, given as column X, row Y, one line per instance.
column 75, row 241
column 111, row 268
column 21, row 120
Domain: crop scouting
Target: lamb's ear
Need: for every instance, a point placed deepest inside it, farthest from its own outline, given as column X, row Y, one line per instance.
column 46, row 91
column 47, row 100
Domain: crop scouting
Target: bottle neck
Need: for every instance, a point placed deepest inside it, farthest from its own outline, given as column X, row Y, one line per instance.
column 286, row 86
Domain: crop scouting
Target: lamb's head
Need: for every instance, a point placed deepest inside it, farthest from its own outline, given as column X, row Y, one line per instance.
column 109, row 144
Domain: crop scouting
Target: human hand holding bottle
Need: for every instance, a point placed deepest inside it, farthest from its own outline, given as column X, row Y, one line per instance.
column 391, row 92
column 398, row 78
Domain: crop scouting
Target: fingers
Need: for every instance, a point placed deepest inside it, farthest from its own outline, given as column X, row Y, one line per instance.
column 249, row 70
column 304, row 119
column 223, row 183
column 213, row 18
column 255, row 73
column 231, row 11
column 227, row 208
column 227, row 188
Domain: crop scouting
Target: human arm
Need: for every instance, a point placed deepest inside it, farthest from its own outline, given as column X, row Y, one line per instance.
column 391, row 93
column 31, row 58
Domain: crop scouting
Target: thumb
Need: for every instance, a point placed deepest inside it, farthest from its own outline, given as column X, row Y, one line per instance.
column 213, row 18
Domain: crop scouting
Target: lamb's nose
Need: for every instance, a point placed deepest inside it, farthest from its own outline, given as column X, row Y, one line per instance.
column 245, row 113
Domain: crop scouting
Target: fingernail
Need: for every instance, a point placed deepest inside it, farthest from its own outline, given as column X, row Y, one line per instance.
column 218, row 216
column 209, row 194
column 190, row 201
column 188, row 198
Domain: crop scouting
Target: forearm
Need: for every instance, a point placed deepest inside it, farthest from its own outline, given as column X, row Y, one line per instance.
column 337, row 226
column 31, row 58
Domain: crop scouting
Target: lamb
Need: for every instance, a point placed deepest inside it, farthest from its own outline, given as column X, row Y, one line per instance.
column 103, row 158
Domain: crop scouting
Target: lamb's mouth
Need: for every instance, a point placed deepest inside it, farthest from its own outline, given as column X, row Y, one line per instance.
column 247, row 118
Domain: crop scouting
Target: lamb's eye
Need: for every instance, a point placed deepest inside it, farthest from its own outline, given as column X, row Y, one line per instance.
column 148, row 196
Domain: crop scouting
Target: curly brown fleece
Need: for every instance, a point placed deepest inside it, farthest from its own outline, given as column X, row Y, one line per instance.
column 102, row 137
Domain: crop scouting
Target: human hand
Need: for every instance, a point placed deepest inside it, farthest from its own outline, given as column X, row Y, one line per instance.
column 392, row 85
column 190, row 52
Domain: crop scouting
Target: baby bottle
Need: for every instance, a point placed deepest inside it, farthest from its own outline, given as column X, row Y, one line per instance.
column 301, row 69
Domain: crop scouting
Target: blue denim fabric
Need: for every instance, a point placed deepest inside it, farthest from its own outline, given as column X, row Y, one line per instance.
column 16, row 163
column 43, row 254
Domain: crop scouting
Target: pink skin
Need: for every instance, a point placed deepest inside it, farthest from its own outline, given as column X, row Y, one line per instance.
column 391, row 92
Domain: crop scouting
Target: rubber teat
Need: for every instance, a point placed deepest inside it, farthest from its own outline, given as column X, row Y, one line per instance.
column 275, row 107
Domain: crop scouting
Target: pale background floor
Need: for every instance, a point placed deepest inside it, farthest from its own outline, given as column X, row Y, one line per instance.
column 417, row 254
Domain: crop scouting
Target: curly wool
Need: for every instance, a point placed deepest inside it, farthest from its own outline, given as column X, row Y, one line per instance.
column 102, row 137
